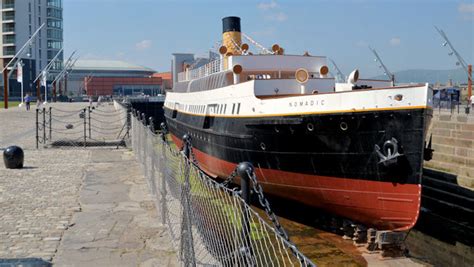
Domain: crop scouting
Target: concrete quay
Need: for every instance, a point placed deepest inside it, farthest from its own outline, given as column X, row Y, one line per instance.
column 75, row 207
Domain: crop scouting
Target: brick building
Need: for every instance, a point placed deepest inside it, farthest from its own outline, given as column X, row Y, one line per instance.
column 123, row 86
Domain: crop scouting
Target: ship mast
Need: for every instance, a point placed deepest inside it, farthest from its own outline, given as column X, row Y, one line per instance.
column 461, row 61
column 385, row 69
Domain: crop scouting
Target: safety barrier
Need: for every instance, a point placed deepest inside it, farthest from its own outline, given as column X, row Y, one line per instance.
column 210, row 223
column 85, row 127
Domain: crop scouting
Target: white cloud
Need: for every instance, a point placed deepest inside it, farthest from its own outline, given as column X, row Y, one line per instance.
column 466, row 11
column 395, row 41
column 280, row 16
column 143, row 45
column 264, row 33
column 362, row 44
column 466, row 8
column 267, row 6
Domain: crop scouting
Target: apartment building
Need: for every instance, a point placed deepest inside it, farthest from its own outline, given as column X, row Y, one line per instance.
column 20, row 19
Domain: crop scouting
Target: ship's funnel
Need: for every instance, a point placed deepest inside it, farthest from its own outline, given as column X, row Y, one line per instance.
column 231, row 35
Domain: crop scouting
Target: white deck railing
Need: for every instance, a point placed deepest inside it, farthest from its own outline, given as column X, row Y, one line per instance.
column 203, row 71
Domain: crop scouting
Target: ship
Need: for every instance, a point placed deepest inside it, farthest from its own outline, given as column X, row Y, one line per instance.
column 353, row 148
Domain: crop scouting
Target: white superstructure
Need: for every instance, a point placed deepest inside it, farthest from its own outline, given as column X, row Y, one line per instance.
column 267, row 85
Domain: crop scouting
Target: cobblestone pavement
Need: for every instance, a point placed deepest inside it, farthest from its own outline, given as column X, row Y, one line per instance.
column 75, row 207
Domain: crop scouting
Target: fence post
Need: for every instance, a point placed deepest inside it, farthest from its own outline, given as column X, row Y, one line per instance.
column 129, row 110
column 187, row 246
column 152, row 154
column 85, row 126
column 244, row 169
column 37, row 128
column 50, row 123
column 163, row 173
column 90, row 133
column 163, row 165
column 151, row 124
column 44, row 126
column 143, row 139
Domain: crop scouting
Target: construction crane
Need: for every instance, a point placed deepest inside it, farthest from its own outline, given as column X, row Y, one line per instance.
column 467, row 68
column 340, row 76
column 385, row 69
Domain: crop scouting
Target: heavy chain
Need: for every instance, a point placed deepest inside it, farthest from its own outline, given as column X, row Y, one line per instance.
column 273, row 218
column 194, row 160
column 230, row 178
column 266, row 205
column 192, row 156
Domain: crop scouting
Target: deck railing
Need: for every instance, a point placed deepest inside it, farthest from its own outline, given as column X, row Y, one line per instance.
column 203, row 71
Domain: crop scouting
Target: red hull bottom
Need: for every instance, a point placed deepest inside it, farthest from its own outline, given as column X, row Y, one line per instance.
column 383, row 205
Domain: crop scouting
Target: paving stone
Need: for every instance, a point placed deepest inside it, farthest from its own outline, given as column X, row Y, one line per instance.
column 52, row 238
column 47, row 208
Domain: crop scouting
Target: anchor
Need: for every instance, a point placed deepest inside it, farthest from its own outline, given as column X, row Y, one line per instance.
column 389, row 155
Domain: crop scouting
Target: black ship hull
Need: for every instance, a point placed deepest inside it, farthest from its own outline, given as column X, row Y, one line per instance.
column 328, row 161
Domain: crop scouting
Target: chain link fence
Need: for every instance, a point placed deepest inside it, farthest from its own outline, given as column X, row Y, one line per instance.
column 210, row 223
column 85, row 127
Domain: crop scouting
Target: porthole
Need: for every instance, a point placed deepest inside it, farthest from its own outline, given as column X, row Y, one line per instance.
column 344, row 126
column 310, row 127
column 263, row 146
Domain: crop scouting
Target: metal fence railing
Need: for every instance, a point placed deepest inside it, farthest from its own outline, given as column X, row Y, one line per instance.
column 210, row 223
column 452, row 107
column 88, row 126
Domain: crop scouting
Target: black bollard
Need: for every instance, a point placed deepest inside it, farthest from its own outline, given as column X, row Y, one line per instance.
column 13, row 157
column 244, row 170
column 143, row 119
column 185, row 149
column 152, row 125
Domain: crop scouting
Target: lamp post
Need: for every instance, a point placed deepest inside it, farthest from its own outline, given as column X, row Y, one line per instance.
column 68, row 65
column 44, row 76
column 18, row 54
column 20, row 79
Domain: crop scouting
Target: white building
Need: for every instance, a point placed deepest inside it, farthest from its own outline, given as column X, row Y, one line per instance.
column 20, row 19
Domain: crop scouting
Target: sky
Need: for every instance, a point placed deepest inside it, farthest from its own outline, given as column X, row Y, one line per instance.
column 147, row 32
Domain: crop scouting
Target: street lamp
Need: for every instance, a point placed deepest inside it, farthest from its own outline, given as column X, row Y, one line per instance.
column 44, row 75
column 20, row 79
column 17, row 55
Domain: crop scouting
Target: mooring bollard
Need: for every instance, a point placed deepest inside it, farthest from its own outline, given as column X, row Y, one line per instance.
column 164, row 131
column 186, row 140
column 144, row 119
column 244, row 169
column 151, row 124
column 13, row 157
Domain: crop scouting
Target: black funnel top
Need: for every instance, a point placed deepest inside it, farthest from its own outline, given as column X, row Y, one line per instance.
column 231, row 24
